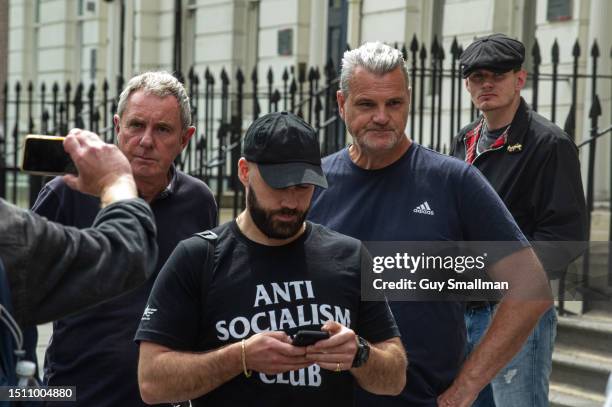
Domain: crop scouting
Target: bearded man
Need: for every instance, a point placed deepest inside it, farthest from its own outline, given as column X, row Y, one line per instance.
column 226, row 302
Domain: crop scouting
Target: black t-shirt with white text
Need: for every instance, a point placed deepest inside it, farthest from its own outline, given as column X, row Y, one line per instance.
column 254, row 288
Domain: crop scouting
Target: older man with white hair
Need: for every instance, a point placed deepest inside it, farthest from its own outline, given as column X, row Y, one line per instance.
column 93, row 350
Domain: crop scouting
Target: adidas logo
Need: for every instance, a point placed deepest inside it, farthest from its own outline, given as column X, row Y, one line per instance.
column 424, row 209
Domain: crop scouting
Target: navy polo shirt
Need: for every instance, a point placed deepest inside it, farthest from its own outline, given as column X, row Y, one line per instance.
column 94, row 350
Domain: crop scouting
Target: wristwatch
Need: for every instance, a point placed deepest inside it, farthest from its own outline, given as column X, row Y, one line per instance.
column 363, row 352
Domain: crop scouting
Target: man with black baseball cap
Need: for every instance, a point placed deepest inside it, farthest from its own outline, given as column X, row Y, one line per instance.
column 218, row 324
column 533, row 165
column 285, row 150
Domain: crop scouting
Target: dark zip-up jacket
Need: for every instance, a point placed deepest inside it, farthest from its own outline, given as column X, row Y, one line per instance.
column 55, row 270
column 536, row 171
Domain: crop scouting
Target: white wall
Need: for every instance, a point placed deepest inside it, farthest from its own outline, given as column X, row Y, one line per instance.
column 225, row 37
column 277, row 15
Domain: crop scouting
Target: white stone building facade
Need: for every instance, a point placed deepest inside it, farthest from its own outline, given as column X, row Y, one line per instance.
column 82, row 40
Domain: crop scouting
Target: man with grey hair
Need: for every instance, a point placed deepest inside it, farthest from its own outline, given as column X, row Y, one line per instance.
column 93, row 350
column 402, row 191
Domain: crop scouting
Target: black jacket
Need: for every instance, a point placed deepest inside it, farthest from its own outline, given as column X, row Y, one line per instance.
column 537, row 175
column 54, row 270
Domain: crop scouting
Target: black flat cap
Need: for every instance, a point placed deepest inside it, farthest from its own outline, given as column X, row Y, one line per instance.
column 496, row 53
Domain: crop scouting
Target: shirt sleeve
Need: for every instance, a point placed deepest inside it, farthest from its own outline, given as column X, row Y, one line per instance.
column 559, row 207
column 480, row 205
column 48, row 204
column 60, row 270
column 172, row 314
column 375, row 322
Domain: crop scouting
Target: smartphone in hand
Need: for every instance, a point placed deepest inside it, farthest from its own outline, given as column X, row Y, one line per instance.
column 307, row 338
column 45, row 155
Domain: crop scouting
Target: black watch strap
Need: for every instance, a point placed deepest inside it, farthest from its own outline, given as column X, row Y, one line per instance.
column 363, row 352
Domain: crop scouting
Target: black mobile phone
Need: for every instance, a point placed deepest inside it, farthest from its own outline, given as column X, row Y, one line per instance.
column 306, row 338
column 45, row 155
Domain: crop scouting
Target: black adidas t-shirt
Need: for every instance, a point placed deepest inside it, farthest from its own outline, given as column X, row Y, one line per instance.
column 255, row 288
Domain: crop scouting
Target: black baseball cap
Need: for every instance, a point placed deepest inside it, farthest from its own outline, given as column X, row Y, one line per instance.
column 496, row 53
column 285, row 149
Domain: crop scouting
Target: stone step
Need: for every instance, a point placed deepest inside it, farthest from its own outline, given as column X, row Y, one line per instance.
column 578, row 368
column 600, row 306
column 588, row 332
column 567, row 396
column 600, row 224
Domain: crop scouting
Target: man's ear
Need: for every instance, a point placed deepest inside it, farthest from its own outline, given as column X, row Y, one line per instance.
column 116, row 121
column 409, row 91
column 521, row 79
column 243, row 171
column 186, row 136
column 341, row 101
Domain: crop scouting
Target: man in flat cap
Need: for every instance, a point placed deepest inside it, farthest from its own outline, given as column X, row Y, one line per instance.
column 217, row 330
column 533, row 165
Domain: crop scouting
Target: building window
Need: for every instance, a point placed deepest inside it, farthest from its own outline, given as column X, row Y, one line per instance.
column 79, row 43
column 337, row 15
column 35, row 41
column 437, row 19
column 528, row 35
column 189, row 36
column 559, row 10
column 37, row 12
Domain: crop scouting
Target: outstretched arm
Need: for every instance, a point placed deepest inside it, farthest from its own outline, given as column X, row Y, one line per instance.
column 55, row 270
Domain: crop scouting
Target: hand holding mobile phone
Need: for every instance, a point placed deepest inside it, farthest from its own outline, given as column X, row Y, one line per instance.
column 45, row 155
column 307, row 338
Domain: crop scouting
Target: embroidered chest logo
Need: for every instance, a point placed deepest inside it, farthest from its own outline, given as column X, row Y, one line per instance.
column 424, row 209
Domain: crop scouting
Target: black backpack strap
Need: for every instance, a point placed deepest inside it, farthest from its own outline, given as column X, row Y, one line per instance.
column 209, row 240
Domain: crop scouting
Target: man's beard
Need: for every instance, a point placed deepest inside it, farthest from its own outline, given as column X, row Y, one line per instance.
column 367, row 142
column 273, row 228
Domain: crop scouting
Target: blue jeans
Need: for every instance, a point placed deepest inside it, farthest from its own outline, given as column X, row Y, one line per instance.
column 477, row 321
column 524, row 380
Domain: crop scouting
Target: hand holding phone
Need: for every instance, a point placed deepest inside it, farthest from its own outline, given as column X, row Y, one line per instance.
column 337, row 353
column 104, row 170
column 45, row 155
column 307, row 338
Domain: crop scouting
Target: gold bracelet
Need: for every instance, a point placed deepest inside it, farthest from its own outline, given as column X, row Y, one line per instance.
column 247, row 372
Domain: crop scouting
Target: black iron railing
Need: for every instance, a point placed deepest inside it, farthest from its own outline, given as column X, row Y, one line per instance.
column 224, row 104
